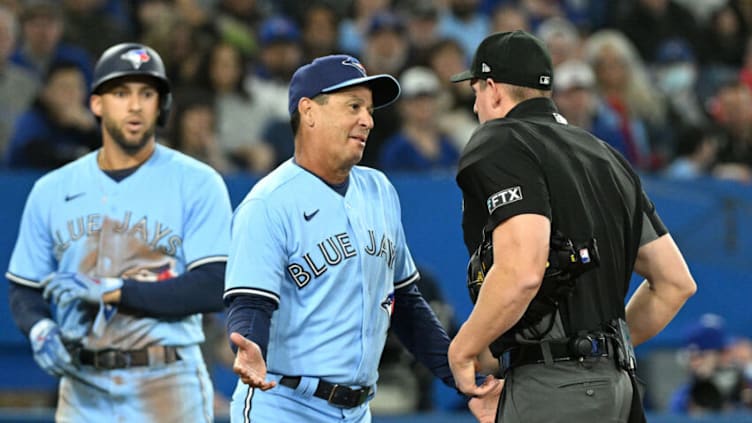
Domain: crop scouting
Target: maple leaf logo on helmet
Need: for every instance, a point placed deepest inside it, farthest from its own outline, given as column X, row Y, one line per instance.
column 137, row 57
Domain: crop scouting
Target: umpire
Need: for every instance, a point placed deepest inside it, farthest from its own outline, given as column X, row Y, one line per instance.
column 556, row 221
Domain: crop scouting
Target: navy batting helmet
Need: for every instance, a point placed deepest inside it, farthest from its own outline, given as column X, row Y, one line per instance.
column 127, row 59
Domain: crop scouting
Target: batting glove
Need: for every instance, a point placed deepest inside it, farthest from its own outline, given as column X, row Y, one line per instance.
column 49, row 351
column 74, row 317
column 63, row 287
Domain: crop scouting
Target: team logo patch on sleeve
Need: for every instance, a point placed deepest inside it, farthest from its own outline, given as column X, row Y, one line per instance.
column 503, row 197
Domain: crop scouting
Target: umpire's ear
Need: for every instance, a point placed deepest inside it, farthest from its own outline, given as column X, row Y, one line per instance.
column 95, row 104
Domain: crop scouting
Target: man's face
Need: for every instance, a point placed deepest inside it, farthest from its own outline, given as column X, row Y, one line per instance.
column 42, row 34
column 66, row 86
column 342, row 125
column 129, row 108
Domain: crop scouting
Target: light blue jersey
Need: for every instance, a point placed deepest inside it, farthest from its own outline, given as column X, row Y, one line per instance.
column 155, row 224
column 332, row 262
column 169, row 216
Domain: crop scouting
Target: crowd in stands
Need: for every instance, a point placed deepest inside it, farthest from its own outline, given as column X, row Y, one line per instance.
column 666, row 82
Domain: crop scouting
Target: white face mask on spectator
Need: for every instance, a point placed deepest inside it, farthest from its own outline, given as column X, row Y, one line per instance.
column 677, row 78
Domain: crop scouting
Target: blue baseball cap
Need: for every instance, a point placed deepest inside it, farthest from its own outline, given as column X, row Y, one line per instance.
column 332, row 73
column 708, row 333
column 278, row 29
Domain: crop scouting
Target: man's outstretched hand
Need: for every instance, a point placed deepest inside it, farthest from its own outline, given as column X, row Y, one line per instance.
column 249, row 364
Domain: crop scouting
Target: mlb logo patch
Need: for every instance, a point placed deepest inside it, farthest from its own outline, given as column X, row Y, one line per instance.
column 503, row 197
column 544, row 80
column 136, row 57
column 584, row 255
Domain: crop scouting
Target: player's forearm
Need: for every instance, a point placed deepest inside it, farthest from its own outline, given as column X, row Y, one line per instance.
column 649, row 311
column 250, row 316
column 420, row 331
column 197, row 291
column 27, row 306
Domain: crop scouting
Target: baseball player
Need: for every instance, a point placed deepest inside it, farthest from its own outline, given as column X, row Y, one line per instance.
column 128, row 244
column 318, row 263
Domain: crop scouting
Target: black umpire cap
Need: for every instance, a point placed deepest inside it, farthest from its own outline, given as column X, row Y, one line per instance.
column 516, row 58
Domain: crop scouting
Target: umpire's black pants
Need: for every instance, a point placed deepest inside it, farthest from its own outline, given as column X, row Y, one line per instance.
column 570, row 391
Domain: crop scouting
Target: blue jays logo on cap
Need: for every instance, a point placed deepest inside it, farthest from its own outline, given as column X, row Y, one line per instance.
column 351, row 61
column 137, row 57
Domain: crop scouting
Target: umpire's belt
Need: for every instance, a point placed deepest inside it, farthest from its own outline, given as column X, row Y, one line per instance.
column 338, row 395
column 555, row 351
column 123, row 359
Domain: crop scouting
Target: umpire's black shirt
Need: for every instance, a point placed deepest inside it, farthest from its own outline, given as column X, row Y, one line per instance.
column 532, row 161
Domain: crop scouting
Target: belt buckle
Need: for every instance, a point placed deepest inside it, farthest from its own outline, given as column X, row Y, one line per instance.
column 111, row 359
column 331, row 394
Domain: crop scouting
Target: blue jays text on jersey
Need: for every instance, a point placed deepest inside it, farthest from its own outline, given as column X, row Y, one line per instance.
column 156, row 235
column 333, row 251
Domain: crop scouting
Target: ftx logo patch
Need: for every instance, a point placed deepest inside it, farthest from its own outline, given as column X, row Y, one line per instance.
column 137, row 57
column 503, row 197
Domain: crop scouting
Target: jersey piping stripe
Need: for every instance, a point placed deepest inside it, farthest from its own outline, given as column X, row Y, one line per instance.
column 250, row 291
column 401, row 284
column 211, row 259
column 247, row 405
column 22, row 281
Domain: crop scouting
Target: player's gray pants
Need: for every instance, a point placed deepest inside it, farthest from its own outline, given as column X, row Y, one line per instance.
column 283, row 404
column 176, row 392
column 569, row 391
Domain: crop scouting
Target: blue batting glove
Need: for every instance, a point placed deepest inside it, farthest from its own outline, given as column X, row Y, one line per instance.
column 49, row 351
column 64, row 287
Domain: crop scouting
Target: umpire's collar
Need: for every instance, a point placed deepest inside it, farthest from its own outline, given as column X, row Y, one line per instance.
column 532, row 107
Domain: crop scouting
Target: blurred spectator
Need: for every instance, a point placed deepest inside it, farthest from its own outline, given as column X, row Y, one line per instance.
column 420, row 145
column 731, row 110
column 509, row 17
column 714, row 384
column 696, row 151
column 353, row 28
column 623, row 86
column 194, row 130
column 279, row 57
column 57, row 128
column 745, row 74
column 87, row 25
column 421, row 23
column 320, row 28
column 561, row 38
column 235, row 21
column 575, row 97
column 386, row 47
column 740, row 352
column 41, row 41
column 240, row 116
column 456, row 101
column 722, row 36
column 464, row 22
column 676, row 72
column 385, row 51
column 650, row 22
column 17, row 86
